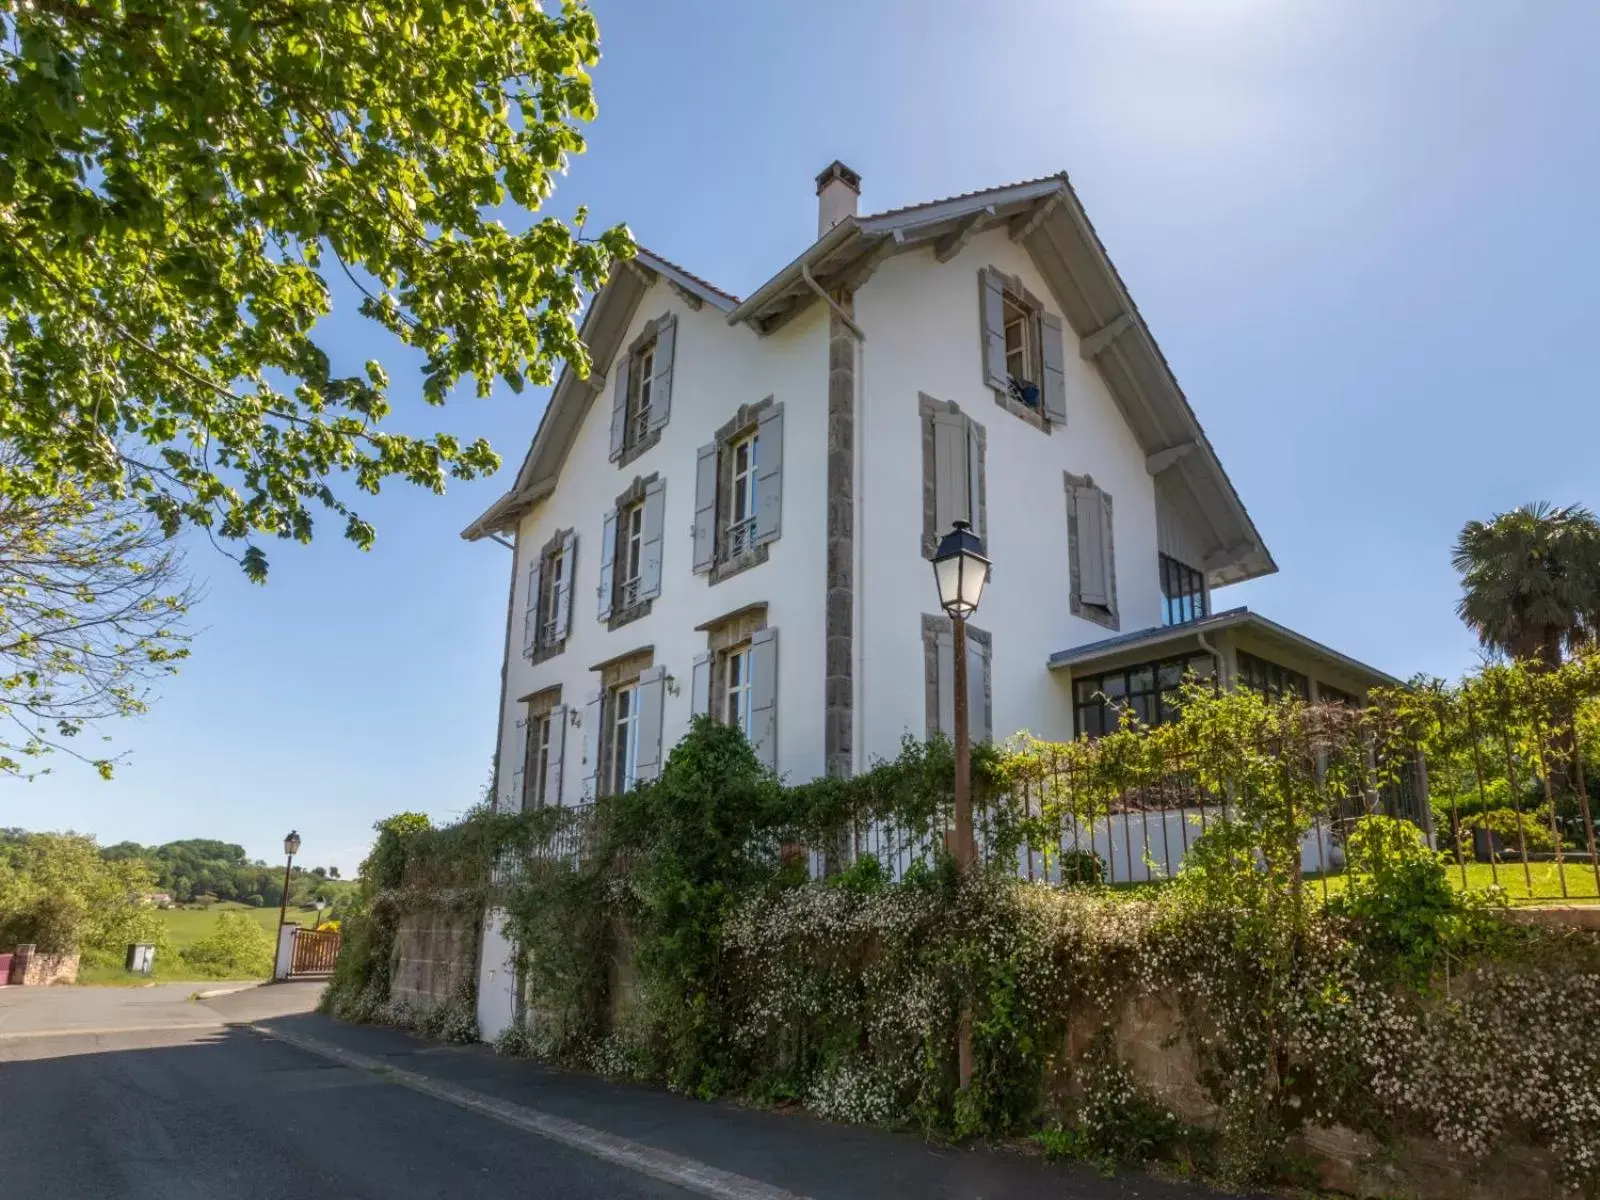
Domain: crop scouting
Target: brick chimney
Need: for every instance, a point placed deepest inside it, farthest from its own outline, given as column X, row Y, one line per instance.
column 838, row 189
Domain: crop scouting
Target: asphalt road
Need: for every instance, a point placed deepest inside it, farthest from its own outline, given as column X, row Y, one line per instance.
column 145, row 1094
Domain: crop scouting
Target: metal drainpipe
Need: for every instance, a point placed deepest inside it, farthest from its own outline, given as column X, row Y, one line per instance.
column 858, row 750
column 1217, row 657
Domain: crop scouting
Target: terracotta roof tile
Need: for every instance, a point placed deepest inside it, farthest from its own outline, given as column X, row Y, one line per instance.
column 710, row 287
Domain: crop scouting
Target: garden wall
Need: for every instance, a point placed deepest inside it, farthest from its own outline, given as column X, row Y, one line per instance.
column 435, row 956
column 31, row 969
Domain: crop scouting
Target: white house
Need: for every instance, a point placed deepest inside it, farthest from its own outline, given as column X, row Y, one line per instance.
column 734, row 512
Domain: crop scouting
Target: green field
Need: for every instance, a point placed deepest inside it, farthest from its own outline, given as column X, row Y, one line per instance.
column 1546, row 881
column 185, row 926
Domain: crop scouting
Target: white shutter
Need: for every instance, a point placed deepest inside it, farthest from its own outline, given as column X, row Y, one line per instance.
column 1053, row 356
column 764, row 696
column 952, row 496
column 992, row 312
column 978, row 716
column 619, row 404
column 608, row 563
column 700, row 686
column 1093, row 585
column 705, row 508
column 530, row 612
column 945, row 659
column 650, row 696
column 558, row 750
column 569, row 572
column 975, row 483
column 769, row 475
column 1107, row 548
column 520, row 771
column 661, row 384
column 593, row 738
column 655, row 506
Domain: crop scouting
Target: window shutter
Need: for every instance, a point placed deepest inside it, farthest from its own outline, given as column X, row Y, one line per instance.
column 655, row 506
column 952, row 495
column 530, row 614
column 991, row 294
column 558, row 751
column 769, row 475
column 1107, row 548
column 593, row 738
column 519, row 772
column 1094, row 587
column 569, row 571
column 1051, row 343
column 661, row 384
column 619, row 404
column 608, row 563
column 651, row 694
column 975, row 483
column 978, row 716
column 764, row 696
column 945, row 657
column 705, row 508
column 700, row 687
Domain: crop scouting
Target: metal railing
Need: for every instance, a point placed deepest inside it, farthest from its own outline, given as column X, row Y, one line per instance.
column 738, row 539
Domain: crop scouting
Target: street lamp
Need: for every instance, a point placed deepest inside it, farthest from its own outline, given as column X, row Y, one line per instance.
column 291, row 847
column 960, row 570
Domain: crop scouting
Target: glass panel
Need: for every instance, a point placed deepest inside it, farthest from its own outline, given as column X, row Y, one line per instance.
column 1145, row 707
column 1114, row 685
column 1171, row 674
column 1141, row 679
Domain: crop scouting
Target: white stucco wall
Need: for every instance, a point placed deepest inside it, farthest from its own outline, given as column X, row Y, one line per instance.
column 716, row 369
column 921, row 320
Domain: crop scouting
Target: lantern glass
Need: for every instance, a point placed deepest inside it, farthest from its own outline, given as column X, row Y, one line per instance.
column 960, row 570
column 291, row 844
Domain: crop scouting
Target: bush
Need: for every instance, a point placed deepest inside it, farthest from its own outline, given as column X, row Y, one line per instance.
column 255, row 900
column 1079, row 866
column 238, row 948
column 1504, row 823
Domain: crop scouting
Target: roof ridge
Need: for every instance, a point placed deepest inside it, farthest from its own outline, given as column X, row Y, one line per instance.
column 679, row 267
column 1002, row 187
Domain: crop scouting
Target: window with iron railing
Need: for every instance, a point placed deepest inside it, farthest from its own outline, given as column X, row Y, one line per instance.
column 630, row 556
column 738, row 536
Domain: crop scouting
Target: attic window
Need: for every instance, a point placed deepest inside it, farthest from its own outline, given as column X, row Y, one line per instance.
column 1023, row 369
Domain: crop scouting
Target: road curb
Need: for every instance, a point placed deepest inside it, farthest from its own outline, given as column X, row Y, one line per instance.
column 213, row 993
column 686, row 1173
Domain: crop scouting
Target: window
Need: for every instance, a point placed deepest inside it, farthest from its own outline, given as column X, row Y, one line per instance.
column 1024, row 357
column 630, row 570
column 537, row 778
column 1092, row 552
column 1151, row 691
column 737, row 693
column 1023, row 371
column 555, row 582
column 939, row 678
column 1183, row 592
column 954, row 472
column 548, row 615
column 630, row 555
column 1327, row 694
column 739, row 537
column 641, row 396
column 623, row 749
column 1270, row 679
column 738, row 501
column 538, row 762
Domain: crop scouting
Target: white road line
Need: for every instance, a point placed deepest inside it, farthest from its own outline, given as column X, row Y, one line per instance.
column 670, row 1168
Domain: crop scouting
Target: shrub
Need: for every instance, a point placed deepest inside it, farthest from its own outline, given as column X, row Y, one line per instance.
column 1505, row 822
column 237, row 947
column 1079, row 866
column 255, row 900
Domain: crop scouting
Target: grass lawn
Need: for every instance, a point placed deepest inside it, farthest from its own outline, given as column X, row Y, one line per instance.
column 1546, row 881
column 185, row 926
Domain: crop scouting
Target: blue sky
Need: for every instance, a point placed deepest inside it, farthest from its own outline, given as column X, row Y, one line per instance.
column 1363, row 233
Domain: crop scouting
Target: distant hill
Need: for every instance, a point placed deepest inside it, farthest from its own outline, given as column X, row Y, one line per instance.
column 198, row 867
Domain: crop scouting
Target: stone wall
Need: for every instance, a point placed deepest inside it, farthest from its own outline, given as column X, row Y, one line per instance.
column 32, row 969
column 435, row 957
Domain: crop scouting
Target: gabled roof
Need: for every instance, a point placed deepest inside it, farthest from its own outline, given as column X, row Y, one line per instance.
column 1045, row 217
column 604, row 325
column 1042, row 215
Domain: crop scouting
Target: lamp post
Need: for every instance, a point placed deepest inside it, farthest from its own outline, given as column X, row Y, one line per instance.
column 960, row 570
column 291, row 847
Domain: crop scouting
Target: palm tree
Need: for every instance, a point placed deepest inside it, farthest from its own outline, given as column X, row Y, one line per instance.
column 1530, row 580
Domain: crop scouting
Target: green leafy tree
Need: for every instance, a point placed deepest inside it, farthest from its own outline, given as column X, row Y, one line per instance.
column 92, row 605
column 180, row 180
column 1531, row 580
column 57, row 892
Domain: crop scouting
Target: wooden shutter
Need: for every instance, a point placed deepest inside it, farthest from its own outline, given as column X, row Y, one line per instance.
column 764, row 696
column 530, row 613
column 519, row 772
column 1094, row 584
column 655, row 507
column 650, row 695
column 608, row 563
column 1107, row 549
column 992, row 312
column 700, row 686
column 558, row 751
column 975, row 482
column 569, row 571
column 944, row 718
column 661, row 384
column 530, row 756
column 705, row 508
column 978, row 716
column 619, row 404
column 1053, row 355
column 593, row 739
column 952, row 494
column 769, row 475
